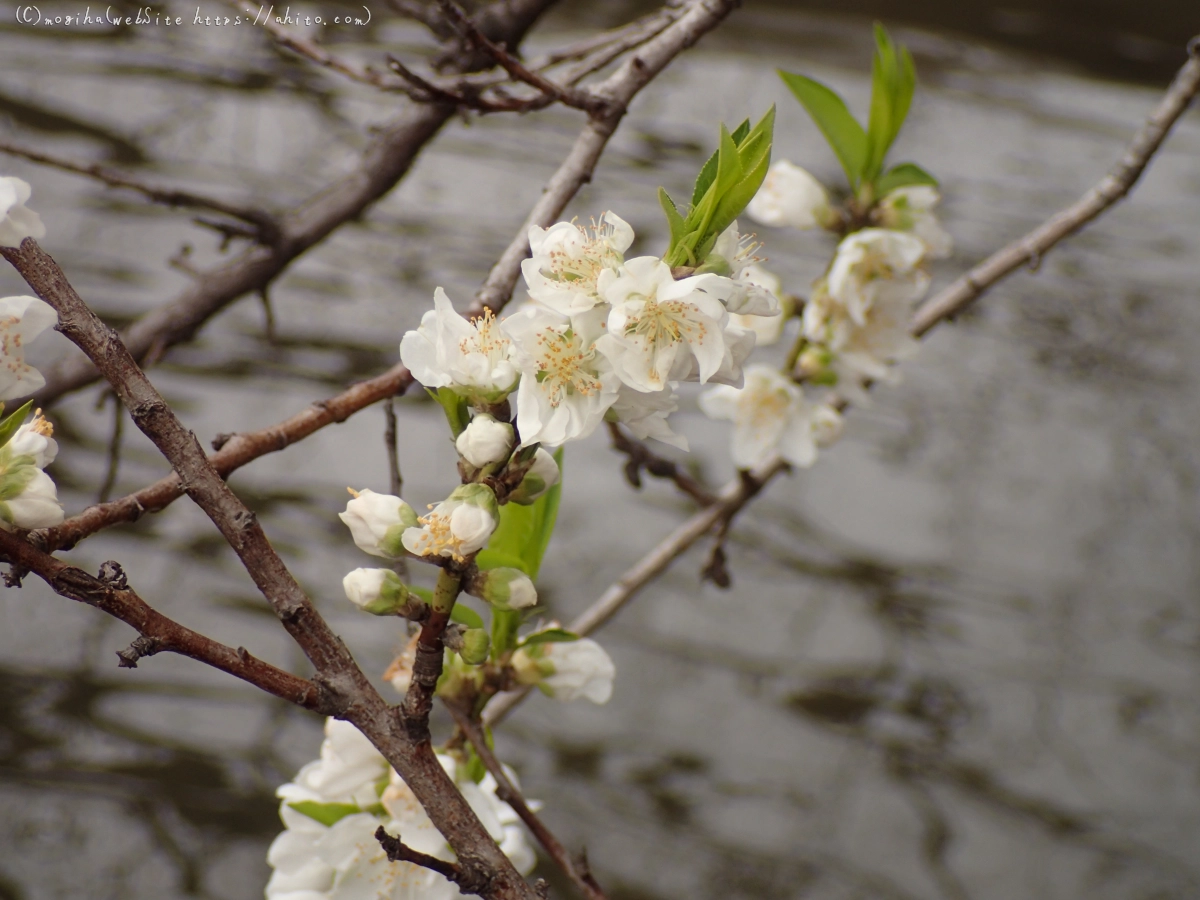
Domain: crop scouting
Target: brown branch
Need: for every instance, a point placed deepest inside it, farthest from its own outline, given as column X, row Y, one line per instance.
column 343, row 688
column 233, row 452
column 642, row 457
column 266, row 229
column 1116, row 184
column 576, row 170
column 386, row 159
column 395, row 481
column 507, row 791
column 568, row 96
column 398, row 851
column 157, row 633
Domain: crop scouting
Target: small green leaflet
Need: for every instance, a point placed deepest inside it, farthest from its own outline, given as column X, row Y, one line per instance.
column 464, row 615
column 548, row 636
column 325, row 813
column 10, row 424
column 455, row 407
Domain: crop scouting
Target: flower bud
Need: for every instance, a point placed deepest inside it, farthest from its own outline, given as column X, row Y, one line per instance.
column 377, row 591
column 28, row 499
column 377, row 522
column 567, row 670
column 542, row 476
column 34, row 439
column 474, row 646
column 827, row 425
column 17, row 221
column 504, row 588
column 485, row 441
column 458, row 526
column 791, row 197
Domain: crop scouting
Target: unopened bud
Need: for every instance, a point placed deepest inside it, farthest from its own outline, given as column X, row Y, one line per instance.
column 377, row 521
column 485, row 441
column 475, row 645
column 505, row 588
column 377, row 591
column 542, row 476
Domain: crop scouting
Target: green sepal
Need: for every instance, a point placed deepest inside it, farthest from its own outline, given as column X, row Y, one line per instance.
column 903, row 175
column 548, row 636
column 845, row 136
column 10, row 424
column 20, row 472
column 456, row 408
column 326, row 813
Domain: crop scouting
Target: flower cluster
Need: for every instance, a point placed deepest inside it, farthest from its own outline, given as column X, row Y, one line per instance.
column 332, row 809
column 28, row 497
column 602, row 336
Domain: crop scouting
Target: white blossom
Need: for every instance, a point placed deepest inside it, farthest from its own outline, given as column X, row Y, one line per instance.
column 17, row 221
column 21, row 320
column 567, row 670
column 485, row 441
column 645, row 415
column 539, row 478
column 658, row 325
column 28, row 496
column 458, row 526
column 876, row 265
column 344, row 861
column 566, row 385
column 747, row 295
column 377, row 522
column 471, row 358
column 567, row 259
column 790, row 197
column 911, row 209
column 768, row 329
column 770, row 418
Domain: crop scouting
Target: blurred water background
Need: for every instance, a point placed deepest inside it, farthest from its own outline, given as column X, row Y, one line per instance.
column 961, row 655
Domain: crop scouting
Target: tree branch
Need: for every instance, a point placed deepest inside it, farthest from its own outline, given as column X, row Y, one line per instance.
column 157, row 633
column 232, row 452
column 343, row 687
column 1115, row 185
column 576, row 170
column 386, row 159
column 507, row 791
column 642, row 457
column 266, row 228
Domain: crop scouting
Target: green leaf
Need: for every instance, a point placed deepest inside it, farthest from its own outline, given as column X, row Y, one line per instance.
column 548, row 636
column 524, row 532
column 708, row 172
column 464, row 615
column 10, row 424
column 903, row 175
column 893, row 80
column 674, row 219
column 325, row 813
column 841, row 130
column 424, row 593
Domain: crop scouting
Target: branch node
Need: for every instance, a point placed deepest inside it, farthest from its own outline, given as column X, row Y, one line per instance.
column 222, row 439
column 113, row 575
column 469, row 880
column 141, row 646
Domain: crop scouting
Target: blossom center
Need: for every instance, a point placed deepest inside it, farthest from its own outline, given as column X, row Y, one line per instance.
column 563, row 366
column 488, row 339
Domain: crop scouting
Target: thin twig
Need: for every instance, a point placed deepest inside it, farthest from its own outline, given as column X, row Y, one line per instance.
column 642, row 457
column 114, row 597
column 266, row 228
column 114, row 450
column 1032, row 247
column 578, row 99
column 395, row 481
column 509, row 793
column 576, row 170
column 232, row 452
column 398, row 851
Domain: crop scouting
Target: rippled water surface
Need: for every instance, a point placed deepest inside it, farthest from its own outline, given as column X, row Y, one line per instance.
column 960, row 655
